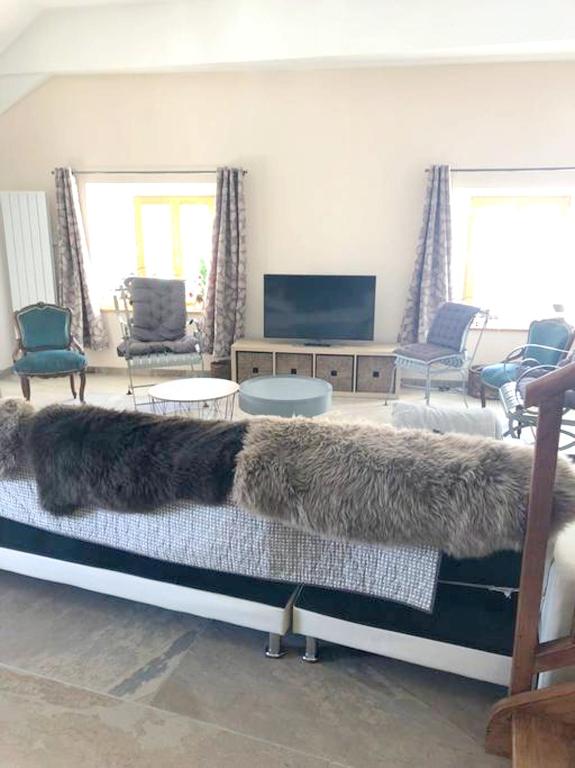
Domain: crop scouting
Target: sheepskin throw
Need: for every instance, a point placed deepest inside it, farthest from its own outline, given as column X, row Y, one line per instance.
column 15, row 417
column 129, row 461
column 466, row 496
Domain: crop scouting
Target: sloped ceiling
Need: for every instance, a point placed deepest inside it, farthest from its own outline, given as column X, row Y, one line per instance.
column 40, row 38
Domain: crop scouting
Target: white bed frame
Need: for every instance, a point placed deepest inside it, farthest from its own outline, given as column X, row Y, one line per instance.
column 276, row 621
column 555, row 621
column 556, row 617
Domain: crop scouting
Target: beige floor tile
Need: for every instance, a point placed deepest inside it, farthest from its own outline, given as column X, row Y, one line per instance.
column 461, row 701
column 90, row 640
column 46, row 724
column 346, row 708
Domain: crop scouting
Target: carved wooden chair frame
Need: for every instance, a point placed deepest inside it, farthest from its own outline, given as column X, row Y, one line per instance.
column 20, row 351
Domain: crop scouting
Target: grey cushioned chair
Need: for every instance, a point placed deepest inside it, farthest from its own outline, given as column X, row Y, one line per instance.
column 155, row 332
column 445, row 349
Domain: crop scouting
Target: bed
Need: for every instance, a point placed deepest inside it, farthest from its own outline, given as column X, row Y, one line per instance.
column 216, row 562
column 220, row 562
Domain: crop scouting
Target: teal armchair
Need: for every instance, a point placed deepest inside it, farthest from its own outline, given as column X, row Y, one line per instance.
column 46, row 348
column 548, row 341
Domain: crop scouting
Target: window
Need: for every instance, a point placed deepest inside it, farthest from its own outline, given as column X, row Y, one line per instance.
column 150, row 230
column 514, row 252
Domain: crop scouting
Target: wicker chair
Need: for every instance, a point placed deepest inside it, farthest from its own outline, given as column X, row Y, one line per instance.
column 155, row 331
column 520, row 417
column 548, row 342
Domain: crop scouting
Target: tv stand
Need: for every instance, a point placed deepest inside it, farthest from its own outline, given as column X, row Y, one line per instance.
column 365, row 369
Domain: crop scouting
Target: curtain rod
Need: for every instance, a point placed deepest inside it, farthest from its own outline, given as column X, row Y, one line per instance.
column 148, row 173
column 511, row 170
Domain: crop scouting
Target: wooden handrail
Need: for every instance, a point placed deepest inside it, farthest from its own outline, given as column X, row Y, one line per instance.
column 539, row 512
column 552, row 384
column 529, row 655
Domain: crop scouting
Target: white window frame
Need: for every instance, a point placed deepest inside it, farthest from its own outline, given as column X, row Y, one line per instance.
column 129, row 188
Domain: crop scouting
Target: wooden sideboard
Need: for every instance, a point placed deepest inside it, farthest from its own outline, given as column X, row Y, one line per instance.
column 354, row 369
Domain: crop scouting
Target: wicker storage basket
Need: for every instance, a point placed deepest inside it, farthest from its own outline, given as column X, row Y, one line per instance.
column 251, row 364
column 337, row 369
column 221, row 369
column 474, row 384
column 294, row 363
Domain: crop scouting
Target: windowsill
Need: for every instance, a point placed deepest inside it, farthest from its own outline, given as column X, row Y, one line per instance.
column 194, row 309
column 505, row 327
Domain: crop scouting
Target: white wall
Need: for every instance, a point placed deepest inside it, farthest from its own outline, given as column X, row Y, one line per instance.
column 336, row 158
column 6, row 327
column 134, row 37
column 15, row 87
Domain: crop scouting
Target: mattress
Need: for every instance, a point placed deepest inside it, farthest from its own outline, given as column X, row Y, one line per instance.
column 229, row 540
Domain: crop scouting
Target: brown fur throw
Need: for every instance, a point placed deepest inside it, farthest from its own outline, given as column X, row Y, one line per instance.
column 464, row 495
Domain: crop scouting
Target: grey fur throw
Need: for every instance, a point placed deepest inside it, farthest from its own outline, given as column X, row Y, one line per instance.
column 122, row 460
column 464, row 495
column 15, row 418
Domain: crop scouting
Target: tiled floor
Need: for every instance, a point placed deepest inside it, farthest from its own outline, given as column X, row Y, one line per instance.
column 88, row 680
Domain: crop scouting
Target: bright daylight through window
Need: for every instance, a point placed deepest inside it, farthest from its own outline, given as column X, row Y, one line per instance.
column 514, row 253
column 151, row 230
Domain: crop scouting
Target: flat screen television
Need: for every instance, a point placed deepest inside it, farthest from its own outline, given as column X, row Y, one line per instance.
column 319, row 307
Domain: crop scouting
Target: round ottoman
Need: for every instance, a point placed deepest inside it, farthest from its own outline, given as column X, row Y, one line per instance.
column 286, row 395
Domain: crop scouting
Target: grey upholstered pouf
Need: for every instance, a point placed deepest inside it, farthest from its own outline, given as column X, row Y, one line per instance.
column 285, row 396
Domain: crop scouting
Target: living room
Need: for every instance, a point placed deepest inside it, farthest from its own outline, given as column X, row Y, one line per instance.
column 324, row 146
column 426, row 155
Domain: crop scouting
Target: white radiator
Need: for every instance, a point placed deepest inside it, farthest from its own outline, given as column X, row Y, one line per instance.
column 28, row 247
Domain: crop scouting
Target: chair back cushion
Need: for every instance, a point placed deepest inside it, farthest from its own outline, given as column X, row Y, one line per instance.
column 550, row 333
column 44, row 326
column 450, row 325
column 158, row 308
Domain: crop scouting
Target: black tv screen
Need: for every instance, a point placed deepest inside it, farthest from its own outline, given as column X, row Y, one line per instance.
column 319, row 307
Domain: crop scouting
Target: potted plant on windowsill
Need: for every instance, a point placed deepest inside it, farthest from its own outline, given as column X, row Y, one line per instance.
column 198, row 292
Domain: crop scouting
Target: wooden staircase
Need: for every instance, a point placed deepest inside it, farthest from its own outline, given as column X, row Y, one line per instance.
column 536, row 729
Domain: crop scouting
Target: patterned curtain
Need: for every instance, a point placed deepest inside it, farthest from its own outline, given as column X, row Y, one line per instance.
column 225, row 310
column 71, row 264
column 431, row 279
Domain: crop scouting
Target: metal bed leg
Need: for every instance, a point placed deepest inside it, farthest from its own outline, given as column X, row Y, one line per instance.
column 274, row 648
column 311, row 654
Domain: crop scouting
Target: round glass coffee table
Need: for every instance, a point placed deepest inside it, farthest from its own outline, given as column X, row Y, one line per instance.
column 203, row 398
column 285, row 395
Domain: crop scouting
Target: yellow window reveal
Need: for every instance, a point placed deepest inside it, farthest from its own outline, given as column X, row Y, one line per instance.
column 173, row 238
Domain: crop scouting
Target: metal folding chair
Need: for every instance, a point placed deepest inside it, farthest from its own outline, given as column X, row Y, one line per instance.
column 151, row 337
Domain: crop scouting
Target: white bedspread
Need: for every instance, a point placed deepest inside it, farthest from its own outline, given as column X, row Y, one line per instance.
column 228, row 539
